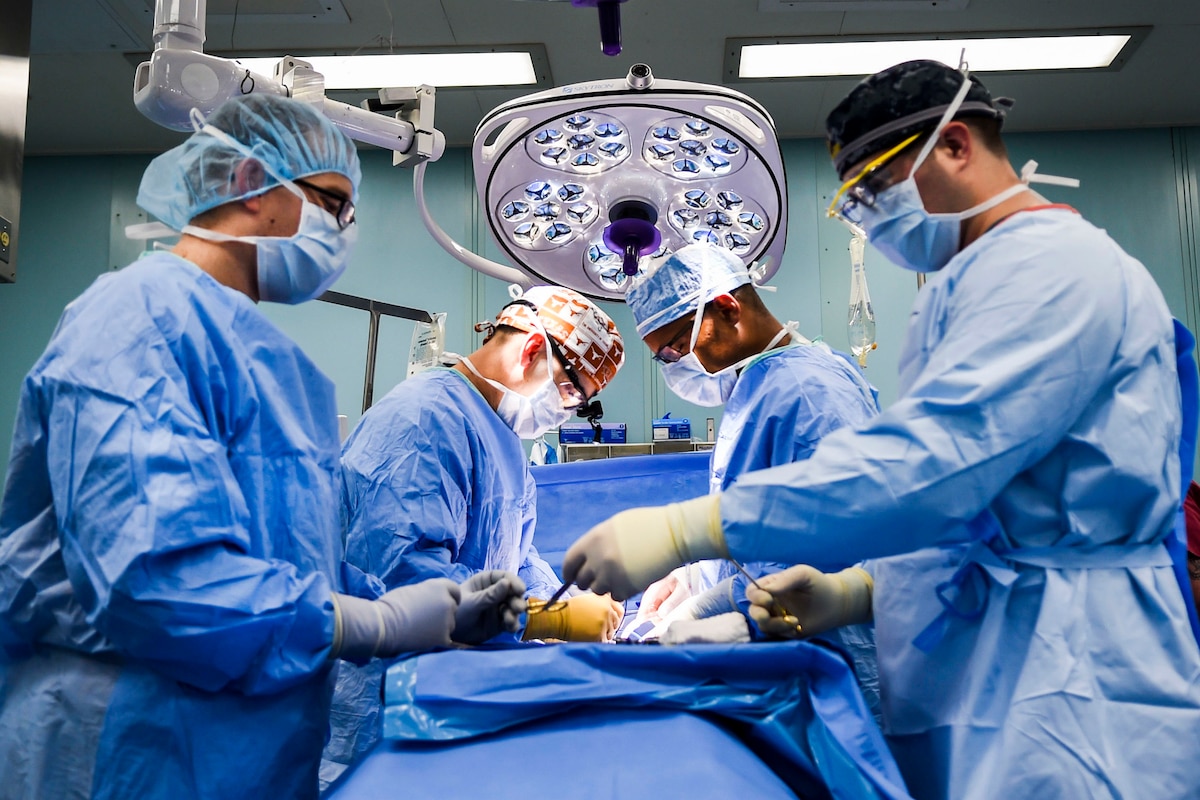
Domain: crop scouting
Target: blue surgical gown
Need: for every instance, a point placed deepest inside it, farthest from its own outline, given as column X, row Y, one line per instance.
column 435, row 485
column 169, row 537
column 1028, row 476
column 782, row 405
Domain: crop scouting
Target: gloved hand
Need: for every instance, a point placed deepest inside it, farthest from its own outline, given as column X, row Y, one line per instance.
column 709, row 603
column 410, row 618
column 662, row 597
column 818, row 601
column 492, row 602
column 627, row 552
column 584, row 618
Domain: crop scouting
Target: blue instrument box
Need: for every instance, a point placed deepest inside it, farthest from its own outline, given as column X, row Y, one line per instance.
column 581, row 433
column 666, row 428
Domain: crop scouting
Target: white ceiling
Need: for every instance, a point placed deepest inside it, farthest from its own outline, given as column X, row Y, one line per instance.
column 84, row 52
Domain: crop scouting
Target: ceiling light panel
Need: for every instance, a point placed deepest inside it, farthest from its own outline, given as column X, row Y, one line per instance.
column 413, row 69
column 811, row 58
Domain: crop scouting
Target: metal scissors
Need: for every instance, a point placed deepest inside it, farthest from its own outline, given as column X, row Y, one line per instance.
column 777, row 609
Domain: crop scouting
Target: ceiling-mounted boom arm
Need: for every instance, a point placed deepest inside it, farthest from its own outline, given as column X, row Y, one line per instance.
column 180, row 76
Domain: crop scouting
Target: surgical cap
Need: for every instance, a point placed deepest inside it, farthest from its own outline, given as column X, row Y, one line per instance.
column 673, row 290
column 588, row 337
column 890, row 106
column 287, row 136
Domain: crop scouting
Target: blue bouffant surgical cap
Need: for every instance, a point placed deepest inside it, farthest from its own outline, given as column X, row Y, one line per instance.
column 684, row 282
column 289, row 138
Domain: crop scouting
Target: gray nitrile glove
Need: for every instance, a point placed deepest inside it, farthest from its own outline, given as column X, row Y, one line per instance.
column 410, row 618
column 492, row 602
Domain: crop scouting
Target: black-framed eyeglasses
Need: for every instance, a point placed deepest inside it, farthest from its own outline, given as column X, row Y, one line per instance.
column 573, row 392
column 344, row 213
column 669, row 353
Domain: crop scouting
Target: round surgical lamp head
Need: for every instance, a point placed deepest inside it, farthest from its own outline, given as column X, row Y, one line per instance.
column 587, row 185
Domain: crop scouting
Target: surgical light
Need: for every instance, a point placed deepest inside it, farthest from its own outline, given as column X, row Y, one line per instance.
column 587, row 185
column 809, row 58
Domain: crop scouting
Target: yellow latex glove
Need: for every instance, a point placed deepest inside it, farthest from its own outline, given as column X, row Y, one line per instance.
column 819, row 601
column 584, row 618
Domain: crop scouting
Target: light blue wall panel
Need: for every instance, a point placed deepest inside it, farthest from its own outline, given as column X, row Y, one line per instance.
column 64, row 228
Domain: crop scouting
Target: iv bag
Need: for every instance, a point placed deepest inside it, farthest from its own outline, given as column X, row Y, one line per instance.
column 428, row 344
column 860, row 323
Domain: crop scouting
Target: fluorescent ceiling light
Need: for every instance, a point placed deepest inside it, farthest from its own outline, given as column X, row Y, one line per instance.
column 413, row 69
column 825, row 59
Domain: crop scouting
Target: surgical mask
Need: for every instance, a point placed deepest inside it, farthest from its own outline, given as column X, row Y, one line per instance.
column 898, row 225
column 529, row 416
column 688, row 378
column 297, row 268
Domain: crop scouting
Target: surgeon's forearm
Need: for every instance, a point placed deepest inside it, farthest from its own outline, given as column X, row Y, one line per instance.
column 206, row 636
column 416, row 564
column 856, row 498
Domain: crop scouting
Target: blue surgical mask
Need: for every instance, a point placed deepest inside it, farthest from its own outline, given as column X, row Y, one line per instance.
column 911, row 237
column 898, row 225
column 297, row 268
column 688, row 378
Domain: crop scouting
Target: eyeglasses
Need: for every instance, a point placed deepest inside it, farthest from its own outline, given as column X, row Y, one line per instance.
column 860, row 191
column 573, row 394
column 669, row 353
column 343, row 212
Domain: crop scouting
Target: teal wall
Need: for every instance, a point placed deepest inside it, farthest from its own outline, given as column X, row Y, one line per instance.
column 1140, row 185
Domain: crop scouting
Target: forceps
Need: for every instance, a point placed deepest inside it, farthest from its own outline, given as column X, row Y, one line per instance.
column 788, row 619
column 552, row 604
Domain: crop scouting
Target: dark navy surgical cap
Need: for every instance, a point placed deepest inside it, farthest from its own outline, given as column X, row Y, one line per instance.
column 889, row 106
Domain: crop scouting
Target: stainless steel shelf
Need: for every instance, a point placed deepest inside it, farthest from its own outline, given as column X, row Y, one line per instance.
column 591, row 452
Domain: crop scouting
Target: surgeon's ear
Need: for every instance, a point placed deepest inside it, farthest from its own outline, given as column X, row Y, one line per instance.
column 727, row 308
column 531, row 351
column 249, row 176
column 956, row 141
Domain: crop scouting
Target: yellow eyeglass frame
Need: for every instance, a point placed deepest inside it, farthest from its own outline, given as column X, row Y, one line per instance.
column 870, row 169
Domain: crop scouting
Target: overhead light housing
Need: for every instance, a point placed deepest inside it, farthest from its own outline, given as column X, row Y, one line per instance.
column 587, row 185
column 817, row 57
column 443, row 70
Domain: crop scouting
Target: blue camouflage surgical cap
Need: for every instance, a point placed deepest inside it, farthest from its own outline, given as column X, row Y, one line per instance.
column 674, row 289
column 287, row 136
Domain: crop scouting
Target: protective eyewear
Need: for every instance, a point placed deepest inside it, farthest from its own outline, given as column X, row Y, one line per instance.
column 860, row 191
column 669, row 353
column 343, row 212
column 573, row 394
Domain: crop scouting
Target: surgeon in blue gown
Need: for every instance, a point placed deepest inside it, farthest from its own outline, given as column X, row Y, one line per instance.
column 436, row 482
column 1032, row 633
column 717, row 343
column 169, row 532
